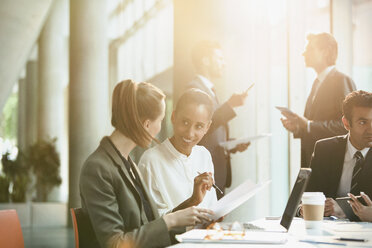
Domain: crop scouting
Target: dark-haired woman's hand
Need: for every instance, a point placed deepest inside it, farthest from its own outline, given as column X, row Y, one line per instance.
column 202, row 183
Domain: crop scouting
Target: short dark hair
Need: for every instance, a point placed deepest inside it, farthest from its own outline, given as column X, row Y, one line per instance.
column 133, row 103
column 195, row 96
column 357, row 98
column 203, row 49
column 327, row 42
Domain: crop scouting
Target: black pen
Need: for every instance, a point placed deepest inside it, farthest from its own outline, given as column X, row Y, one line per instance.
column 215, row 186
column 352, row 239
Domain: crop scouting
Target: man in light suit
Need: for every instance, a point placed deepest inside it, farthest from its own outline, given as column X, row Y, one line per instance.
column 343, row 164
column 322, row 117
column 209, row 62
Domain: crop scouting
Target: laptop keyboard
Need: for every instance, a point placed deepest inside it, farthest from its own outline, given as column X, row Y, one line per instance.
column 250, row 226
column 237, row 226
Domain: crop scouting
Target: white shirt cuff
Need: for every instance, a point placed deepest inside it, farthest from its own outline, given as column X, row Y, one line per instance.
column 308, row 126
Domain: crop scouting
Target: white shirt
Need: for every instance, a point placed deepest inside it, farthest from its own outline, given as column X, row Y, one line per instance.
column 321, row 77
column 347, row 169
column 207, row 84
column 169, row 175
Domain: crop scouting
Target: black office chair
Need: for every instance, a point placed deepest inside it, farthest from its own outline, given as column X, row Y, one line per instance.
column 83, row 230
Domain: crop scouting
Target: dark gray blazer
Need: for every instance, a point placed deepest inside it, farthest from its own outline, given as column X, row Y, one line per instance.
column 218, row 132
column 327, row 164
column 325, row 112
column 113, row 204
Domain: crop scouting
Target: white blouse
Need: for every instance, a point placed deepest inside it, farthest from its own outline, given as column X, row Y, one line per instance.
column 169, row 175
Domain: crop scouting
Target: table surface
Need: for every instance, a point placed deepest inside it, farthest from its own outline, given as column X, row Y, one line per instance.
column 297, row 232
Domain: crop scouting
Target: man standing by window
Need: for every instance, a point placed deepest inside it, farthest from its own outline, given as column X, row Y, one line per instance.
column 323, row 111
column 209, row 62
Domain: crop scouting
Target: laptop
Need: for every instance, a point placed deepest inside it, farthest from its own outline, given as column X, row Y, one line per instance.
column 259, row 236
column 291, row 207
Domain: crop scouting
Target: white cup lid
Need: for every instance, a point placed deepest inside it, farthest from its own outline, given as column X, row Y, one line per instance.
column 313, row 198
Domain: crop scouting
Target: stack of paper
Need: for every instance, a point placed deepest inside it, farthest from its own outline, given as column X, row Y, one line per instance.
column 216, row 236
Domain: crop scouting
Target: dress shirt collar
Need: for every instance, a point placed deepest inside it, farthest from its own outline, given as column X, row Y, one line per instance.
column 206, row 82
column 321, row 76
column 351, row 150
column 175, row 152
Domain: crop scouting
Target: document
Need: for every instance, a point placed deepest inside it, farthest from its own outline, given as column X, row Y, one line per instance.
column 233, row 143
column 285, row 110
column 338, row 226
column 236, row 197
column 231, row 237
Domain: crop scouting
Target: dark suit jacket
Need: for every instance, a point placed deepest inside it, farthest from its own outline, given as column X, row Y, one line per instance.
column 327, row 164
column 113, row 204
column 218, row 132
column 325, row 112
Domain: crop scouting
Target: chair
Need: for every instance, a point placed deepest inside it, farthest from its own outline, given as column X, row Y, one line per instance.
column 84, row 234
column 10, row 230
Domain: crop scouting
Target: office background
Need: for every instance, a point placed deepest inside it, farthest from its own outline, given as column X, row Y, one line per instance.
column 61, row 60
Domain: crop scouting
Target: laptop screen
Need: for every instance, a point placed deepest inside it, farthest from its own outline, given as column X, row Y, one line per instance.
column 295, row 197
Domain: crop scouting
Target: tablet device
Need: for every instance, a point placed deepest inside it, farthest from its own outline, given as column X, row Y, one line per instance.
column 345, row 206
column 285, row 110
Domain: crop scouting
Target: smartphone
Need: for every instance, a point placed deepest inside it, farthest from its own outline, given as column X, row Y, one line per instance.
column 285, row 110
column 359, row 197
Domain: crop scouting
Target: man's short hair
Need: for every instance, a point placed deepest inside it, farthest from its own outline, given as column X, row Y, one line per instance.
column 195, row 96
column 358, row 98
column 325, row 42
column 203, row 49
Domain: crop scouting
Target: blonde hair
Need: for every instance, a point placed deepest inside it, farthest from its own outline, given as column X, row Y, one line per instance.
column 132, row 104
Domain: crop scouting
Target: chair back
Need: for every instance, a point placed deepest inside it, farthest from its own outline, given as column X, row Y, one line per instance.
column 10, row 230
column 84, row 234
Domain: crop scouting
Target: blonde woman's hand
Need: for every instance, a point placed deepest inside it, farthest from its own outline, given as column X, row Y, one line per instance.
column 187, row 217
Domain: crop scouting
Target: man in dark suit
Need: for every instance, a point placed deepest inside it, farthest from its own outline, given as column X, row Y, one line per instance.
column 343, row 164
column 322, row 117
column 209, row 63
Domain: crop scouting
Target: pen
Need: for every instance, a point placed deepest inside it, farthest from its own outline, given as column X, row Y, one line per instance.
column 321, row 242
column 250, row 87
column 215, row 186
column 352, row 239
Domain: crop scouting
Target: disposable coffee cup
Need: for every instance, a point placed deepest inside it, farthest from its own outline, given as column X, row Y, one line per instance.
column 313, row 209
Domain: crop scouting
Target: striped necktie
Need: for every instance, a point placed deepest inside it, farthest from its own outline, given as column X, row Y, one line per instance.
column 357, row 168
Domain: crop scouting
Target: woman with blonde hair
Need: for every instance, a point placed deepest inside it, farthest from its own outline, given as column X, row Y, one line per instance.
column 112, row 190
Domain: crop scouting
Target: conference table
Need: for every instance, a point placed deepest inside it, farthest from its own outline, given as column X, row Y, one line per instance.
column 298, row 236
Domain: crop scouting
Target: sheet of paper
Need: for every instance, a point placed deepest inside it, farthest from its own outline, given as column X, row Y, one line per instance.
column 348, row 226
column 232, row 237
column 236, row 197
column 233, row 143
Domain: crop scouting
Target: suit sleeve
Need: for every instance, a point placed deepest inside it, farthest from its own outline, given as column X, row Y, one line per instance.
column 317, row 171
column 221, row 116
column 333, row 127
column 98, row 193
